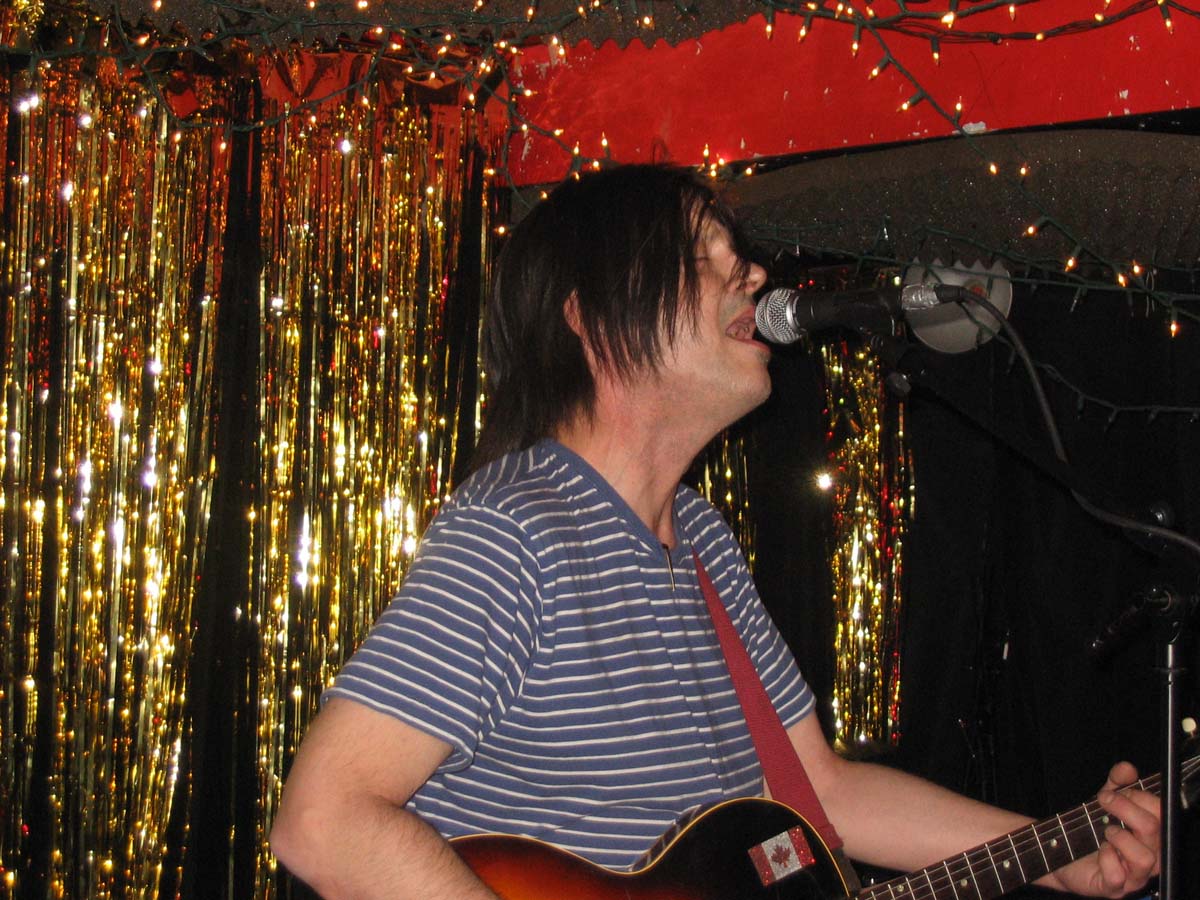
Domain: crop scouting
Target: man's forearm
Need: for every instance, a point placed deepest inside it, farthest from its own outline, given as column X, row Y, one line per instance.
column 892, row 819
column 381, row 852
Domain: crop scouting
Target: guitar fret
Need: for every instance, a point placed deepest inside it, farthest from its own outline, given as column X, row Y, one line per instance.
column 950, row 875
column 974, row 880
column 1017, row 856
column 1087, row 814
column 1002, row 887
column 1041, row 848
column 1066, row 837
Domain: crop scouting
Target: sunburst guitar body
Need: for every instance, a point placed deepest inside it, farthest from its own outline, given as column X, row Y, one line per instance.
column 755, row 849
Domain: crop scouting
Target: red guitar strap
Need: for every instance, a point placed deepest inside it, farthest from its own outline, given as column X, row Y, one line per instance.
column 782, row 768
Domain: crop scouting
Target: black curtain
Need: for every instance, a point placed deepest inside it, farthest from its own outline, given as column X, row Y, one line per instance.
column 1008, row 579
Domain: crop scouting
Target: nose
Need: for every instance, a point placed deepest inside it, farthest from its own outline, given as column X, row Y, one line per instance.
column 756, row 277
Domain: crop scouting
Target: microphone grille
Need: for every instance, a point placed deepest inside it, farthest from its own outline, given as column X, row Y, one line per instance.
column 773, row 316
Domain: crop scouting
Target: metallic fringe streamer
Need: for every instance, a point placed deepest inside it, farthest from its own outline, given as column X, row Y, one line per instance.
column 872, row 499
column 109, row 257
column 724, row 482
column 362, row 205
column 109, row 267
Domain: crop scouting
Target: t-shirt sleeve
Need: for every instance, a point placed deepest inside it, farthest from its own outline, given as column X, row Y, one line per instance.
column 789, row 692
column 449, row 653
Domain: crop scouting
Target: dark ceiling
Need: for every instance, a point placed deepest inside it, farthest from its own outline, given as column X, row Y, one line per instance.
column 1131, row 193
column 284, row 22
column 1125, row 194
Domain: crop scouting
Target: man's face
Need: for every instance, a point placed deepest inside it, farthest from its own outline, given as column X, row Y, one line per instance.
column 715, row 368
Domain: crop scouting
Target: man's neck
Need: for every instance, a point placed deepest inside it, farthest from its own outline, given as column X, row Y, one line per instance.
column 642, row 462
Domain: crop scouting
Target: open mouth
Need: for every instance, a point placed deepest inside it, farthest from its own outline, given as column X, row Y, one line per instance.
column 742, row 329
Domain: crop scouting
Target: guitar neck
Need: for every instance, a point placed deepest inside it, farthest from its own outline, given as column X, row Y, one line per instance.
column 1017, row 858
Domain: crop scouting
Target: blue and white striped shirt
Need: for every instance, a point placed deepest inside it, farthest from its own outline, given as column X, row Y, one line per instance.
column 569, row 661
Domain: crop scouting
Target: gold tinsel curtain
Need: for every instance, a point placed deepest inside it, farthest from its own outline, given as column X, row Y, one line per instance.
column 872, row 486
column 110, row 258
column 173, row 604
column 239, row 368
column 362, row 398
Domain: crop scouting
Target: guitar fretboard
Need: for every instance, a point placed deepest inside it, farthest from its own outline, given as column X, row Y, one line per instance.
column 1006, row 863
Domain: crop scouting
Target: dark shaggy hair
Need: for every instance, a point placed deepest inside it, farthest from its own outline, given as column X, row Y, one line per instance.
column 623, row 241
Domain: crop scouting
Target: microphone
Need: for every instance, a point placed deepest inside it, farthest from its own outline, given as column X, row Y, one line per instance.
column 784, row 315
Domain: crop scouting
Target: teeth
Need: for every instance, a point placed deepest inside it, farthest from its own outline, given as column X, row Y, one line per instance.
column 740, row 330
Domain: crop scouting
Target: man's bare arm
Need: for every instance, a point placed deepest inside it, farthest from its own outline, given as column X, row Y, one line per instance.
column 898, row 821
column 342, row 827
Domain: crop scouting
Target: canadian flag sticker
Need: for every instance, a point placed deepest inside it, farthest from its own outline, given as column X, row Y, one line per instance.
column 781, row 856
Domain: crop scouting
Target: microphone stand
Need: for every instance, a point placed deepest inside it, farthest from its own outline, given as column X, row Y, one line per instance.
column 1171, row 609
column 1170, row 613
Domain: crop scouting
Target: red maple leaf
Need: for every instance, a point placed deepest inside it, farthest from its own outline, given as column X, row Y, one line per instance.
column 781, row 854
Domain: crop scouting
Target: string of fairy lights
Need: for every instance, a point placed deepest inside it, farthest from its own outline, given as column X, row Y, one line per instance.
column 117, row 179
column 475, row 49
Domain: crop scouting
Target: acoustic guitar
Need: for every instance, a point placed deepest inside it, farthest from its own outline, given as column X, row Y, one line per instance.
column 752, row 849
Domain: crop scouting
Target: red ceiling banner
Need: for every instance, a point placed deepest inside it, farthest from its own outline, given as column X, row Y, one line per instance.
column 744, row 92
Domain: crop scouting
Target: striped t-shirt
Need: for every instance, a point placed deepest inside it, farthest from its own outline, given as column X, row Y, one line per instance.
column 569, row 661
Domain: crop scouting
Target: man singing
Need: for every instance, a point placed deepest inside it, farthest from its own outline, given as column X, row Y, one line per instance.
column 549, row 667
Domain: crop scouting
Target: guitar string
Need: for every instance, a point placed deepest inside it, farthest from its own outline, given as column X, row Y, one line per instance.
column 1076, row 822
column 1069, row 826
column 973, row 862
